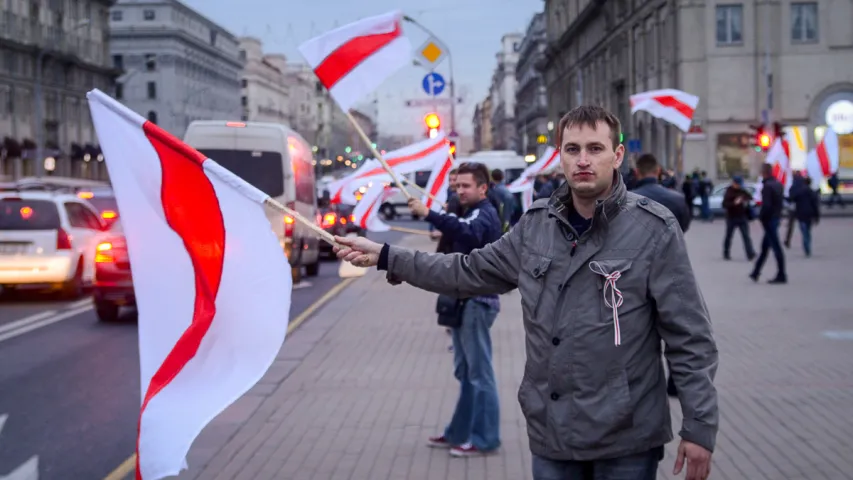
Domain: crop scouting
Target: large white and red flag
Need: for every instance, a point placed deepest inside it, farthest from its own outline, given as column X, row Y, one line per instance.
column 366, row 213
column 211, row 281
column 549, row 159
column 353, row 60
column 674, row 106
column 813, row 168
column 420, row 156
column 779, row 156
column 827, row 152
column 438, row 183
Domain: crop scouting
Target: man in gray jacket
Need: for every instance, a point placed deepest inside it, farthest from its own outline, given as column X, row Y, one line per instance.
column 604, row 276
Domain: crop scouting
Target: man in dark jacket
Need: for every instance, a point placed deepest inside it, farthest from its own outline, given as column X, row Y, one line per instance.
column 475, row 426
column 648, row 172
column 736, row 203
column 772, row 198
column 806, row 210
column 604, row 277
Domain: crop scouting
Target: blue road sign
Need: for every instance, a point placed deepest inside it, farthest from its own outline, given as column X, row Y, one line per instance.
column 433, row 84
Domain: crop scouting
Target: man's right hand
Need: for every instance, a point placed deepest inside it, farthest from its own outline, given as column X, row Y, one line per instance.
column 359, row 251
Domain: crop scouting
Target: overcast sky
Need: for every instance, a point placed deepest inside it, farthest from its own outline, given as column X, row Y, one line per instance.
column 472, row 30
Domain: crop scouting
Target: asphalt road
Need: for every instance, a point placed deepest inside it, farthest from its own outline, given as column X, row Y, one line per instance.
column 69, row 387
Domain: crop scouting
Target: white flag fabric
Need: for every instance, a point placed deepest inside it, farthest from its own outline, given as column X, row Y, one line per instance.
column 212, row 283
column 353, row 60
column 527, row 198
column 366, row 213
column 779, row 157
column 827, row 152
column 549, row 159
column 813, row 168
column 438, row 183
column 417, row 157
column 674, row 106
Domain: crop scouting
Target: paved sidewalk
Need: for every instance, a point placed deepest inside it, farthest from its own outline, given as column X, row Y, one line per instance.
column 358, row 388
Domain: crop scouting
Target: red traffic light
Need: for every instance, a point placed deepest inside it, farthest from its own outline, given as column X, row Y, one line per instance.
column 432, row 121
column 764, row 140
column 453, row 148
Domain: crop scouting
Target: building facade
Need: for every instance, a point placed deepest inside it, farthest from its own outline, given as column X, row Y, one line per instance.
column 265, row 91
column 179, row 66
column 52, row 53
column 531, row 108
column 502, row 92
column 731, row 54
column 483, row 125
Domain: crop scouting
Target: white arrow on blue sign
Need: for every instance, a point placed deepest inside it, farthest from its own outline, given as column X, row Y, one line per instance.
column 433, row 84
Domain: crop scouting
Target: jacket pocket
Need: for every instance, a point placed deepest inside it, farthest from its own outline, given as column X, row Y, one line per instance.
column 534, row 410
column 531, row 283
column 602, row 415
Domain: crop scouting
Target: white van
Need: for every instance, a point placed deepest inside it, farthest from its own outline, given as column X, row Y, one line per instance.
column 279, row 162
column 509, row 162
column 397, row 204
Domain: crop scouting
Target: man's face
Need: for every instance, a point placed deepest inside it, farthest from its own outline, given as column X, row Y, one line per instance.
column 469, row 192
column 453, row 182
column 588, row 159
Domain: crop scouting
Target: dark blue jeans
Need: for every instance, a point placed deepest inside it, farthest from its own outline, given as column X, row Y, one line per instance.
column 771, row 242
column 641, row 466
column 476, row 418
column 806, row 231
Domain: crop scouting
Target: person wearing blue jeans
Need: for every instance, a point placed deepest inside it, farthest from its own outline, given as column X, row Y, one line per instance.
column 640, row 466
column 476, row 419
column 772, row 198
column 474, row 427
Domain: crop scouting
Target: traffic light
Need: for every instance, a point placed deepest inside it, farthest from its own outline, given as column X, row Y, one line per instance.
column 453, row 149
column 761, row 139
column 433, row 124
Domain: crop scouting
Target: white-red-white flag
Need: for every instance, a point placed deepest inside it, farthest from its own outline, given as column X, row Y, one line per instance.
column 353, row 60
column 813, row 168
column 827, row 152
column 674, row 106
column 527, row 198
column 438, row 183
column 549, row 159
column 779, row 157
column 418, row 157
column 366, row 213
column 211, row 281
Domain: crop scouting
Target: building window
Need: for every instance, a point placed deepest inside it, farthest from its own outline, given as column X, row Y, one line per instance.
column 152, row 90
column 729, row 24
column 152, row 117
column 118, row 62
column 242, row 55
column 244, row 100
column 244, row 83
column 149, row 15
column 150, row 62
column 804, row 22
column 213, row 37
column 117, row 15
column 119, row 91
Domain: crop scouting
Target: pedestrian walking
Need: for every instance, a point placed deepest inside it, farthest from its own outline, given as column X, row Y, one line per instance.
column 737, row 203
column 475, row 426
column 772, row 198
column 604, row 277
column 648, row 173
column 807, row 211
column 833, row 183
column 790, row 210
column 706, row 187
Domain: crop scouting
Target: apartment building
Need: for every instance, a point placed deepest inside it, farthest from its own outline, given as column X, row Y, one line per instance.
column 265, row 90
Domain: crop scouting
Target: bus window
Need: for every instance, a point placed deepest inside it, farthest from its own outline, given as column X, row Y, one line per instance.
column 422, row 178
column 264, row 170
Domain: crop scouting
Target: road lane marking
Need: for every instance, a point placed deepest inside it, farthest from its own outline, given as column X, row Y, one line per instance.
column 43, row 323
column 28, row 470
column 129, row 465
column 81, row 303
column 26, row 320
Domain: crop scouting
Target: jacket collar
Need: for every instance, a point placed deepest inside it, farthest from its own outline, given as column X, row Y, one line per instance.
column 647, row 181
column 605, row 209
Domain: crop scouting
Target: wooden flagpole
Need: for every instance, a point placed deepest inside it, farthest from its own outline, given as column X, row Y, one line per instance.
column 299, row 218
column 385, row 165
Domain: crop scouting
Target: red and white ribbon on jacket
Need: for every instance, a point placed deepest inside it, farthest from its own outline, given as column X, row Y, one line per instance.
column 615, row 300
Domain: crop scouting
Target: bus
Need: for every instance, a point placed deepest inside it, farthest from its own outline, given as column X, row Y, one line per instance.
column 277, row 161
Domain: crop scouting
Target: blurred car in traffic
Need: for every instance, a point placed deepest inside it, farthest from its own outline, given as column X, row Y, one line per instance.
column 113, row 285
column 338, row 220
column 104, row 201
column 47, row 240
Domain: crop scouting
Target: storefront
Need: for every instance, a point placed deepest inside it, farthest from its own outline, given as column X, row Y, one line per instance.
column 834, row 109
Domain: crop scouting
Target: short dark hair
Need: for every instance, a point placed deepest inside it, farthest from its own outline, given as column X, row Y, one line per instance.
column 477, row 170
column 590, row 115
column 767, row 169
column 647, row 164
column 497, row 175
column 455, row 171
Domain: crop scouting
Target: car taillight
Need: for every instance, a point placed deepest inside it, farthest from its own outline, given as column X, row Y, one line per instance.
column 289, row 222
column 104, row 253
column 63, row 239
column 329, row 219
column 352, row 218
column 108, row 215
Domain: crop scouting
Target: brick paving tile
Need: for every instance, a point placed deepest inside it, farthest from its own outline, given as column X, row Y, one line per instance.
column 358, row 388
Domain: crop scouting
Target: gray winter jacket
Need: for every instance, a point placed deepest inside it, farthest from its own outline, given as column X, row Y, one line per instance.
column 594, row 385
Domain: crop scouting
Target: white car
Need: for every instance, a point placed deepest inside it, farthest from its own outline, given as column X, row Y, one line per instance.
column 47, row 240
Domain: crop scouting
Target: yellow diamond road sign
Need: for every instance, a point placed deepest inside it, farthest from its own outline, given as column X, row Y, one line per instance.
column 431, row 53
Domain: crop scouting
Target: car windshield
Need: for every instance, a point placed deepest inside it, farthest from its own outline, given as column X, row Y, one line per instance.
column 22, row 214
column 264, row 170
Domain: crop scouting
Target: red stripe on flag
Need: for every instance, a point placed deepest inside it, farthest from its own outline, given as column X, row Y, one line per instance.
column 823, row 159
column 393, row 162
column 192, row 211
column 676, row 104
column 445, row 168
column 367, row 213
column 350, row 55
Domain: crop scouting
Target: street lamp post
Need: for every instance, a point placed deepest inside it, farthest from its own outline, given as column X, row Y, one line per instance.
column 450, row 61
column 37, row 97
